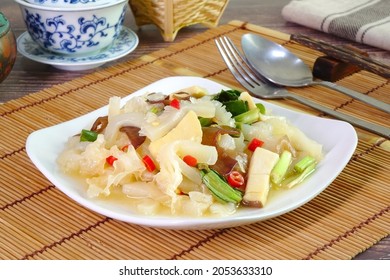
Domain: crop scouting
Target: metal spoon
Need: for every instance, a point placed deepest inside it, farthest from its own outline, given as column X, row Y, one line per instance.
column 282, row 67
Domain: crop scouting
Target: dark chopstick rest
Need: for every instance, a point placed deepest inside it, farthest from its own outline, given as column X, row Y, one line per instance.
column 344, row 54
column 331, row 69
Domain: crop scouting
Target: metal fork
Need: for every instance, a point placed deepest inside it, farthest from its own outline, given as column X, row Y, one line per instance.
column 259, row 87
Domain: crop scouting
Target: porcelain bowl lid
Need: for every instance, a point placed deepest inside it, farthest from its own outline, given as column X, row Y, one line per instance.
column 69, row 3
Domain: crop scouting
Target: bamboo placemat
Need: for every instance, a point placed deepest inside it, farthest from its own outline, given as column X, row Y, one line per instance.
column 37, row 221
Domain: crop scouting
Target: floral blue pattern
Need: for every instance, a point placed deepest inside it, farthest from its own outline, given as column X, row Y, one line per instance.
column 126, row 42
column 67, row 38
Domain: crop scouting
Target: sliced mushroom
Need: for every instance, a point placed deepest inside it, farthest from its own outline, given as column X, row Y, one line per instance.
column 132, row 133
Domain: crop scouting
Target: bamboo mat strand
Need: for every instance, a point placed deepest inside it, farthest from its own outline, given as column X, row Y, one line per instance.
column 37, row 221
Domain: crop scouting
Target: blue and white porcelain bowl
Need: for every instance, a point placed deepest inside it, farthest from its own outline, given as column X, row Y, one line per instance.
column 71, row 30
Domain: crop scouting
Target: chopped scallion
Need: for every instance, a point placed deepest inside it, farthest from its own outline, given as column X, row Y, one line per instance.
column 280, row 169
column 261, row 108
column 248, row 117
column 88, row 135
column 155, row 110
column 220, row 188
column 204, row 122
column 298, row 178
column 304, row 163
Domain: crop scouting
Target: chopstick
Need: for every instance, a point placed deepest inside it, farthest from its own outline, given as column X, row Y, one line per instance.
column 344, row 54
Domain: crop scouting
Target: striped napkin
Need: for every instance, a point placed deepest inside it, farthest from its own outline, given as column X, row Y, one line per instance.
column 364, row 21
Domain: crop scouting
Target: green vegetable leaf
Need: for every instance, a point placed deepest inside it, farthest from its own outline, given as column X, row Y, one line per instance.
column 227, row 95
column 236, row 107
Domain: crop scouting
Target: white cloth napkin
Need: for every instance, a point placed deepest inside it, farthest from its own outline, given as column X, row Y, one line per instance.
column 364, row 21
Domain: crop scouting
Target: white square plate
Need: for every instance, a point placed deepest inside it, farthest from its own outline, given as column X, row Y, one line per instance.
column 338, row 138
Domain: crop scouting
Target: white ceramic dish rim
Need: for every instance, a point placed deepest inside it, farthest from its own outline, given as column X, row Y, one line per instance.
column 44, row 145
column 79, row 65
column 91, row 7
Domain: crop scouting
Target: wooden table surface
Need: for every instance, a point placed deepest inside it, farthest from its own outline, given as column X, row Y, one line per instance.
column 28, row 76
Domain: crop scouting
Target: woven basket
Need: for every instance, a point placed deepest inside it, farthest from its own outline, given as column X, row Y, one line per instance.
column 172, row 15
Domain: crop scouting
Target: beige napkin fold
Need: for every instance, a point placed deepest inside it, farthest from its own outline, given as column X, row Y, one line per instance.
column 364, row 21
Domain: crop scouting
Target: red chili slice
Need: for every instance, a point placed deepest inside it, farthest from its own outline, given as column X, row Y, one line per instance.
column 235, row 179
column 149, row 164
column 255, row 143
column 110, row 160
column 190, row 160
column 175, row 103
